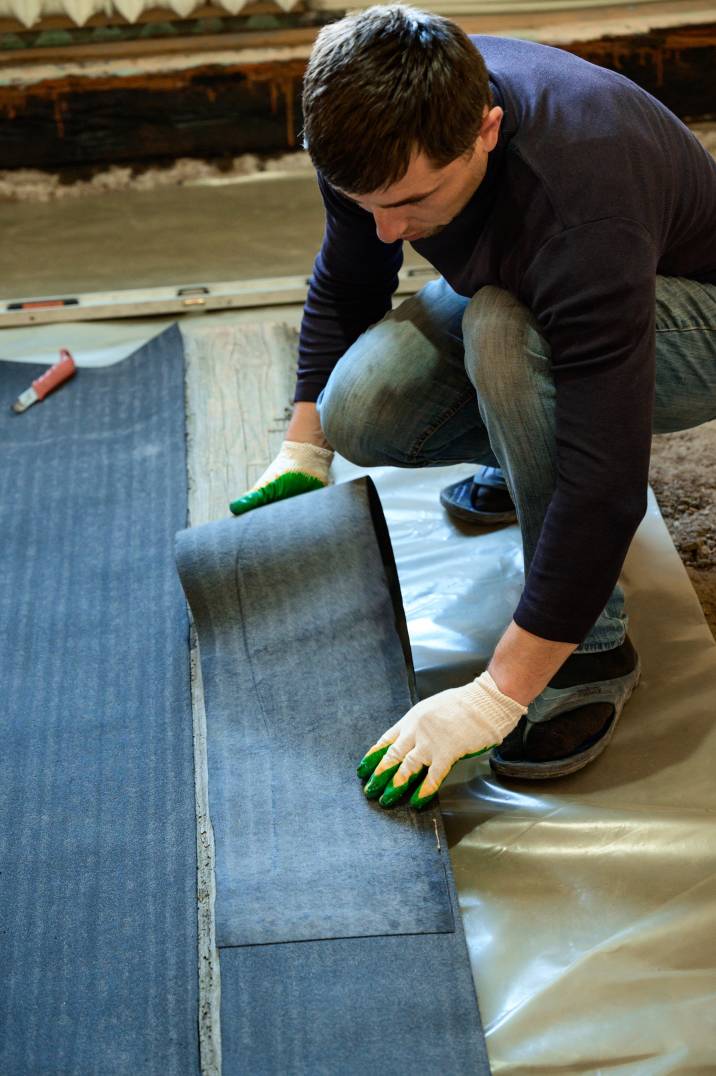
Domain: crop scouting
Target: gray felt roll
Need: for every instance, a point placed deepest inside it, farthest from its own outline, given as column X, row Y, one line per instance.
column 338, row 918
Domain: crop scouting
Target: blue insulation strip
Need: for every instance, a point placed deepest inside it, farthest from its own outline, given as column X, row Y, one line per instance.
column 399, row 1005
column 97, row 843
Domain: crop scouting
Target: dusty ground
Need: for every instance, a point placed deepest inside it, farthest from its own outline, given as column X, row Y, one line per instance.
column 34, row 185
column 683, row 475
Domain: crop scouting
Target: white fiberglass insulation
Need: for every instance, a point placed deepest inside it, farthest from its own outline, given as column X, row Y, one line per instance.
column 29, row 12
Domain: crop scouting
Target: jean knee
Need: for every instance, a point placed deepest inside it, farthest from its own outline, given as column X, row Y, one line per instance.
column 504, row 348
column 346, row 408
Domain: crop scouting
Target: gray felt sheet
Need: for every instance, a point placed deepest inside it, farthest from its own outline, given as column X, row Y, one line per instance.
column 401, row 1005
column 337, row 921
column 97, row 843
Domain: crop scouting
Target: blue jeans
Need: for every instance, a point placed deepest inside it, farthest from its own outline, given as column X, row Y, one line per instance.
column 443, row 379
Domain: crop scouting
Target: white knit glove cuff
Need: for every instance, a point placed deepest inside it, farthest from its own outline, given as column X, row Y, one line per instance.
column 298, row 456
column 498, row 713
column 446, row 727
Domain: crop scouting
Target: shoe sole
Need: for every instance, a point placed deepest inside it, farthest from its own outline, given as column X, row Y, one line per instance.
column 471, row 515
column 562, row 767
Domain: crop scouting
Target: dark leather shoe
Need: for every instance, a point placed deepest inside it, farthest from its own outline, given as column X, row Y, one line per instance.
column 482, row 499
column 574, row 718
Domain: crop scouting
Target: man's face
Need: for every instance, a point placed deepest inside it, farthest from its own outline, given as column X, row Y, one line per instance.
column 426, row 199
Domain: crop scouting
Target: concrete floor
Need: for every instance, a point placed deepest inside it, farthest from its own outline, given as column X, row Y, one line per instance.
column 264, row 227
column 132, row 239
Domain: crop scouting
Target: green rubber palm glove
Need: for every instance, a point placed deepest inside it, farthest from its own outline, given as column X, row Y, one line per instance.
column 298, row 468
column 422, row 748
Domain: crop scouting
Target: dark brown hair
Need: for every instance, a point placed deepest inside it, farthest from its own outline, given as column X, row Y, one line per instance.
column 387, row 81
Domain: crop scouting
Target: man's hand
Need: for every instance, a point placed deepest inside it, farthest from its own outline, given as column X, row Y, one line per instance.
column 427, row 742
column 298, row 468
column 302, row 464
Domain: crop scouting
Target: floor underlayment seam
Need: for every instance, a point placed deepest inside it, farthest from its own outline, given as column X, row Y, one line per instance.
column 209, row 971
column 208, row 956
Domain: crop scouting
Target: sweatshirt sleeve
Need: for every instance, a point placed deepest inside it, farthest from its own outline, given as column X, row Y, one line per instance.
column 592, row 291
column 354, row 277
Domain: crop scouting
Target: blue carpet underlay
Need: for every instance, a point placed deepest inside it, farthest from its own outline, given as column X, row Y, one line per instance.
column 98, row 889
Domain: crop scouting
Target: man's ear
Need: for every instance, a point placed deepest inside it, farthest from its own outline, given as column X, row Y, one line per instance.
column 490, row 130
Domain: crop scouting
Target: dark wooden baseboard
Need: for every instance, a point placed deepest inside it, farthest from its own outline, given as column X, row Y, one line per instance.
column 203, row 111
column 677, row 65
column 220, row 109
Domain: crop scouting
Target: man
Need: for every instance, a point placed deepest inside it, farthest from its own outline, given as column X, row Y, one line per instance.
column 573, row 220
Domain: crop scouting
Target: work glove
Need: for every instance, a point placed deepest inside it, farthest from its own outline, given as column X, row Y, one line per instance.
column 427, row 742
column 298, row 468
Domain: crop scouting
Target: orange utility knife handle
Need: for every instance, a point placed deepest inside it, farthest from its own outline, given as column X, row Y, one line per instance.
column 61, row 371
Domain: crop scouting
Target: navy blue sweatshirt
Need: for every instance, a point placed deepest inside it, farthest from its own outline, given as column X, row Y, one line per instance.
column 593, row 189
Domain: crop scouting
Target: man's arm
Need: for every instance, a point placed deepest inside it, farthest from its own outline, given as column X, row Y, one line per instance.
column 305, row 425
column 353, row 280
column 601, row 333
column 592, row 290
column 523, row 664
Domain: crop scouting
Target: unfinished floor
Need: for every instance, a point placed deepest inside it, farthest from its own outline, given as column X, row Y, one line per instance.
column 588, row 902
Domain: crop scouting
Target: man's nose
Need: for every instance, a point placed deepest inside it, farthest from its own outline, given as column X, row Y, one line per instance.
column 388, row 224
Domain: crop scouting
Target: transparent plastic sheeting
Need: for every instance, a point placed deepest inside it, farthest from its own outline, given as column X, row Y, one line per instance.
column 445, row 575
column 589, row 903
